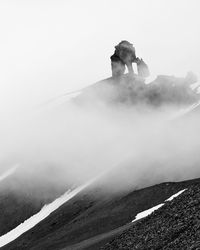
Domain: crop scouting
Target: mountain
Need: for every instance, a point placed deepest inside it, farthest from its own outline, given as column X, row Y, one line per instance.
column 92, row 213
column 131, row 89
column 88, row 217
column 20, row 198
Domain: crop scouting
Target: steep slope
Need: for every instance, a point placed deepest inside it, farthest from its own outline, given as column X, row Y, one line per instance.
column 176, row 225
column 94, row 209
column 131, row 89
column 22, row 195
column 91, row 213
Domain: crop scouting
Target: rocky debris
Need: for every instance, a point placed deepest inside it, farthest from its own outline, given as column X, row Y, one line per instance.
column 125, row 55
column 176, row 225
column 131, row 89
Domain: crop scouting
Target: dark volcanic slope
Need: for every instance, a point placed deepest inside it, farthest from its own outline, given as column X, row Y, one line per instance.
column 174, row 226
column 92, row 213
column 20, row 198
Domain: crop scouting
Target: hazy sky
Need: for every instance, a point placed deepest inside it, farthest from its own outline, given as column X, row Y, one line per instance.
column 48, row 47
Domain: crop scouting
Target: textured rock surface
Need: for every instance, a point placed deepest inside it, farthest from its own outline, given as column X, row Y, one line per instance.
column 174, row 226
column 92, row 213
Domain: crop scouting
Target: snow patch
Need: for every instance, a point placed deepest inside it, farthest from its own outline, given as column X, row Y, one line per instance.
column 175, row 195
column 151, row 210
column 147, row 212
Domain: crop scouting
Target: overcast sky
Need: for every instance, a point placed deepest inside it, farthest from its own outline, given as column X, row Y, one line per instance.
column 49, row 47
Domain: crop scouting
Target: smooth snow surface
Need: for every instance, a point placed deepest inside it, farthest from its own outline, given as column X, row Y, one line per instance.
column 151, row 210
column 147, row 212
column 42, row 214
column 8, row 172
column 175, row 195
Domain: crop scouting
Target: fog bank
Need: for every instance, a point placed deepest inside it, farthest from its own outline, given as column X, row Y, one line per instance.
column 136, row 144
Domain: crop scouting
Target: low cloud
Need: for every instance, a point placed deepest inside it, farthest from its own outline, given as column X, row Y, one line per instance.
column 134, row 141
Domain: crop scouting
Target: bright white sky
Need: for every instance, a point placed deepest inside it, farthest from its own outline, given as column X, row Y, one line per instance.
column 48, row 47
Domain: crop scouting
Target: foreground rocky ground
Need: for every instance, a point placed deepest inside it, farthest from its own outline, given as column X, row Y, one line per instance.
column 83, row 220
column 176, row 225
